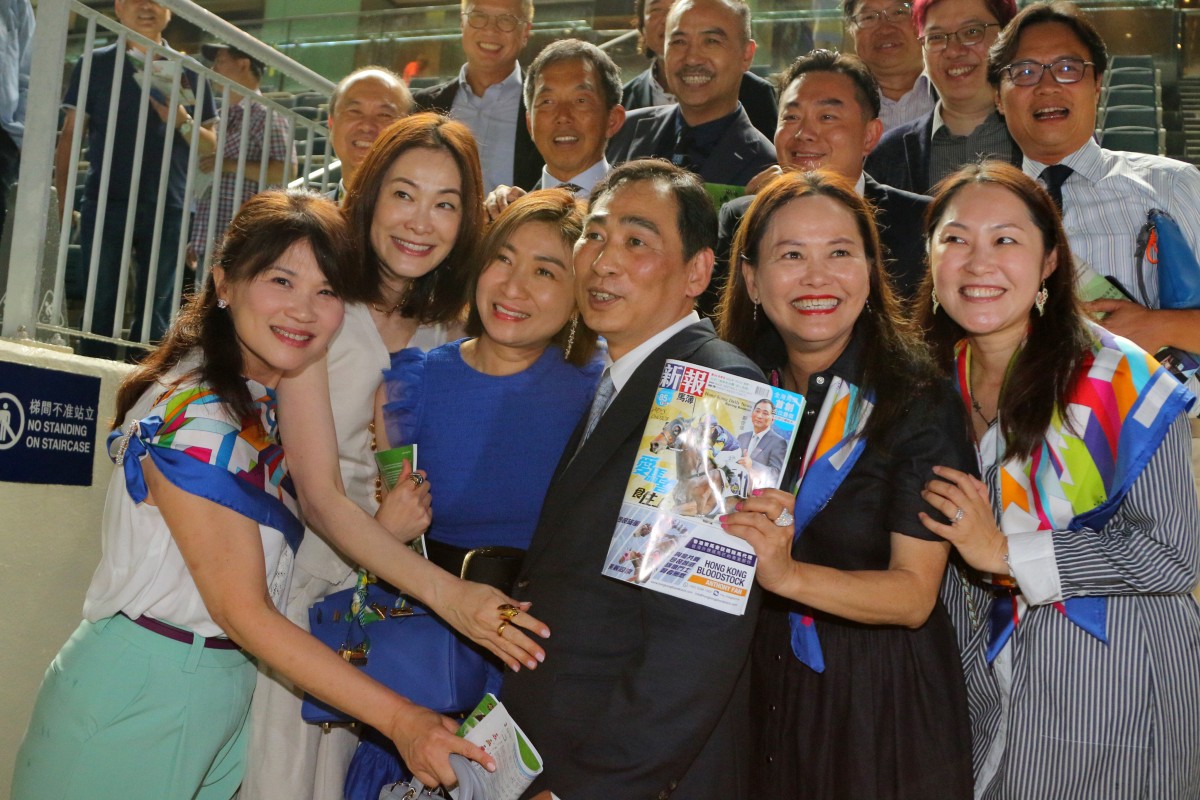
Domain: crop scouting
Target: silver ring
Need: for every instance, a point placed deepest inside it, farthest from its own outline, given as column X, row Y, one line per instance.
column 784, row 519
column 417, row 478
column 958, row 515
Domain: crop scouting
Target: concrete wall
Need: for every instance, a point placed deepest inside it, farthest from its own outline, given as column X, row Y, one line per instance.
column 49, row 546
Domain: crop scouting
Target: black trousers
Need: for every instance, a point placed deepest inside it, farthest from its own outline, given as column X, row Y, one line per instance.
column 10, row 162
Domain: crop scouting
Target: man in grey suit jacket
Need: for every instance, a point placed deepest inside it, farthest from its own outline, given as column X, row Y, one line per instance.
column 764, row 449
column 641, row 694
column 707, row 130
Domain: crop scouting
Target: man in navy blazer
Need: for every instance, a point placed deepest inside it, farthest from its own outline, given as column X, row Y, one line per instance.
column 707, row 131
column 763, row 448
column 489, row 87
column 641, row 694
column 829, row 118
column 649, row 88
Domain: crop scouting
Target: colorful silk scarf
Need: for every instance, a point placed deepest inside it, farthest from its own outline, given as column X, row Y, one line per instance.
column 1120, row 409
column 834, row 447
column 190, row 435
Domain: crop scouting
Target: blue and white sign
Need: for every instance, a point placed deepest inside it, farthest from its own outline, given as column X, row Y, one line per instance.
column 47, row 425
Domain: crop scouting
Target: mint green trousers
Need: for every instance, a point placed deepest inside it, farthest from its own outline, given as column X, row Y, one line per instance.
column 126, row 713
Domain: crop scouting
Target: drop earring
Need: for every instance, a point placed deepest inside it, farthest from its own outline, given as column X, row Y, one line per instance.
column 1039, row 299
column 571, row 336
column 754, row 314
column 933, row 296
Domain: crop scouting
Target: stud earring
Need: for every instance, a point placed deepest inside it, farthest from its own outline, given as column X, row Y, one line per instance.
column 222, row 303
column 1039, row 299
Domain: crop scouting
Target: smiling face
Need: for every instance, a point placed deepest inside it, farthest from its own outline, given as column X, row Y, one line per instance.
column 822, row 124
column 890, row 47
column 654, row 27
column 705, row 59
column 760, row 417
column 364, row 108
column 284, row 317
column 812, row 276
column 527, row 292
column 417, row 213
column 960, row 73
column 988, row 260
column 632, row 280
column 144, row 16
column 1050, row 120
column 568, row 121
column 489, row 50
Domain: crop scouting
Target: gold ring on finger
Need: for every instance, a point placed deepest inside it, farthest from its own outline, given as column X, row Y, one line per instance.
column 508, row 611
column 500, row 630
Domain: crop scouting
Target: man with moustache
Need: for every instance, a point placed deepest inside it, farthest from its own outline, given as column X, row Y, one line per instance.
column 641, row 694
column 1047, row 67
column 651, row 88
column 828, row 119
column 707, row 130
column 886, row 40
column 362, row 104
column 573, row 93
column 963, row 127
column 486, row 95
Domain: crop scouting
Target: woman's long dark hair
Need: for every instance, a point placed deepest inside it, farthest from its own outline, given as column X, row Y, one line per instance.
column 897, row 364
column 559, row 209
column 440, row 294
column 1045, row 368
column 266, row 226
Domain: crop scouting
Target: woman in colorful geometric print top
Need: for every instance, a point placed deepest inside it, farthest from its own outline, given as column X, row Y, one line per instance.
column 149, row 697
column 1080, row 634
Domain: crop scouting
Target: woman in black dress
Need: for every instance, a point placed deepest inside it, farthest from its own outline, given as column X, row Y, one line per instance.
column 858, row 688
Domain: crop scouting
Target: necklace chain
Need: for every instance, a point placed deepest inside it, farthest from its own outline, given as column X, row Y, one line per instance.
column 975, row 403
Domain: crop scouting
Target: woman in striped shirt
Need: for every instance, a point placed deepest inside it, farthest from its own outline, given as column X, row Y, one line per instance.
column 1080, row 636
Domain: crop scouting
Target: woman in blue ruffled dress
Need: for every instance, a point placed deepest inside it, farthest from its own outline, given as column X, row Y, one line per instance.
column 150, row 696
column 415, row 212
column 490, row 415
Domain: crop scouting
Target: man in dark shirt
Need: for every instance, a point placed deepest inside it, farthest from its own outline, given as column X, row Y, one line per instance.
column 828, row 118
column 148, row 19
column 706, row 131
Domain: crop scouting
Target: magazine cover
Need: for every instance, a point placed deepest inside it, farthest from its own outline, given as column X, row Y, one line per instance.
column 710, row 440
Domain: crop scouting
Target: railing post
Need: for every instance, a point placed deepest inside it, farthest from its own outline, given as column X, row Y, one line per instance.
column 37, row 168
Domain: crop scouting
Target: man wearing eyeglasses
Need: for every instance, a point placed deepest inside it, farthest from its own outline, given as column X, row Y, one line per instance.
column 486, row 94
column 886, row 40
column 964, row 125
column 1048, row 66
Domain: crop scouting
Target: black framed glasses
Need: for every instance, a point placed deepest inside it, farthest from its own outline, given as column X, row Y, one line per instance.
column 897, row 15
column 1063, row 70
column 966, row 36
column 506, row 23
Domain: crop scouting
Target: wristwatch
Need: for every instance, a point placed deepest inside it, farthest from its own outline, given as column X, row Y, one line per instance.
column 185, row 130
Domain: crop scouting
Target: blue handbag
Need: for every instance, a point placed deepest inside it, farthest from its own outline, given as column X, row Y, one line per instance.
column 1162, row 244
column 399, row 643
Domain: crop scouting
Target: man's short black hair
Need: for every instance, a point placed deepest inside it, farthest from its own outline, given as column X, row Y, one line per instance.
column 866, row 88
column 1004, row 49
column 695, row 216
column 607, row 72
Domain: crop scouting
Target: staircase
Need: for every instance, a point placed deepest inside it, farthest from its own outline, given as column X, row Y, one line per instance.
column 1189, row 110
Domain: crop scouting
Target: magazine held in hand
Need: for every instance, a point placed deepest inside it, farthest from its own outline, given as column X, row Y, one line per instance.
column 710, row 440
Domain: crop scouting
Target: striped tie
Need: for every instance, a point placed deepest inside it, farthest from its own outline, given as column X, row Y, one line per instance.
column 604, row 393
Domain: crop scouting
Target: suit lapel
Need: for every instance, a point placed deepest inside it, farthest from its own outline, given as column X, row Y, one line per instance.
column 729, row 156
column 625, row 416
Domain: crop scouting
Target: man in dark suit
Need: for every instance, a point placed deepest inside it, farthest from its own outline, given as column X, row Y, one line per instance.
column 641, row 694
column 829, row 118
column 964, row 125
column 486, row 95
column 706, row 130
column 650, row 88
column 763, row 448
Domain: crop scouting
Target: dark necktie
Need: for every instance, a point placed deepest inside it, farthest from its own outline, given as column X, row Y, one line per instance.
column 681, row 154
column 1053, row 178
column 573, row 188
